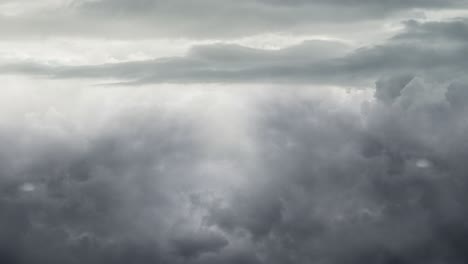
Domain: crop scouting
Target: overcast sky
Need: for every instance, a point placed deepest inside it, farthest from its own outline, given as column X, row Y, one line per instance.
column 233, row 132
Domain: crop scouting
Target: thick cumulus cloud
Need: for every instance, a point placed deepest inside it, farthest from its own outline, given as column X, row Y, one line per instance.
column 436, row 50
column 382, row 186
column 306, row 175
column 108, row 183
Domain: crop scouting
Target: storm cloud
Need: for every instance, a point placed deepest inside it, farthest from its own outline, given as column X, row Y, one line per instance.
column 367, row 177
column 228, row 141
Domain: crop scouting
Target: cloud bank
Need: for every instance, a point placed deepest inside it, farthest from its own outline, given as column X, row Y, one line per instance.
column 200, row 19
column 324, row 148
column 431, row 49
column 311, row 178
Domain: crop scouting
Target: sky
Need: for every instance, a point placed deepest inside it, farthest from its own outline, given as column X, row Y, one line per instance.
column 233, row 132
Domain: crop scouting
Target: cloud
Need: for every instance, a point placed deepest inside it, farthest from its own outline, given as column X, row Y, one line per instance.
column 193, row 245
column 439, row 31
column 349, row 186
column 324, row 176
column 192, row 19
column 225, row 19
column 219, row 60
column 231, row 154
column 390, row 88
column 417, row 49
column 116, row 186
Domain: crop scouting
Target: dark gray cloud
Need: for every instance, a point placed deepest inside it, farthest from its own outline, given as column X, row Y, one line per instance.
column 434, row 49
column 226, row 173
column 441, row 31
column 94, row 199
column 383, row 184
column 387, row 188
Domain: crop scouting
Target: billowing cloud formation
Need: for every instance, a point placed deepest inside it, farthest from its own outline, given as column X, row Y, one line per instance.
column 113, row 188
column 309, row 178
column 385, row 186
column 230, row 149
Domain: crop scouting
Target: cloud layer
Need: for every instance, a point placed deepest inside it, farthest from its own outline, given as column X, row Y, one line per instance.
column 310, row 178
column 200, row 19
column 227, row 132
column 432, row 49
